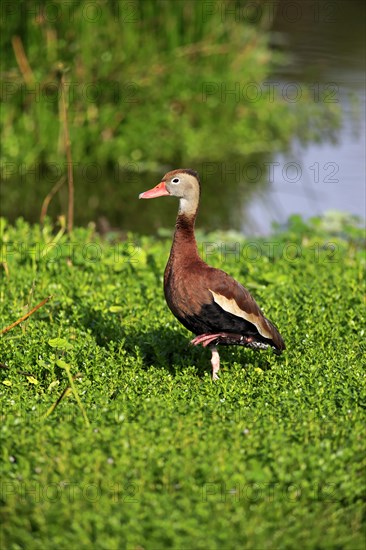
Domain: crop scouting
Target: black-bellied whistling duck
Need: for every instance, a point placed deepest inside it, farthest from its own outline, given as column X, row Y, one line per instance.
column 207, row 301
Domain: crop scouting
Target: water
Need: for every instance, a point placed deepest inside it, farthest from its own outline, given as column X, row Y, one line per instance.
column 326, row 45
column 327, row 48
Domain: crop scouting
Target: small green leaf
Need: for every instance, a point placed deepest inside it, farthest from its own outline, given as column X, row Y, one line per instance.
column 53, row 384
column 59, row 343
column 116, row 309
column 61, row 363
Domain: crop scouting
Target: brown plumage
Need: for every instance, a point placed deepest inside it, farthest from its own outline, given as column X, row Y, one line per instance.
column 207, row 301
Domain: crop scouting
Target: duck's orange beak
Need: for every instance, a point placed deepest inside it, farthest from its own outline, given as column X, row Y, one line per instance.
column 159, row 190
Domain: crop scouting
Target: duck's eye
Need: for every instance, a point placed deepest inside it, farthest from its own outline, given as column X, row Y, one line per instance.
column 176, row 181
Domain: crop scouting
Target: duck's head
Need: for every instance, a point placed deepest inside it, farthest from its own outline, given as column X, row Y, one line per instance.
column 182, row 183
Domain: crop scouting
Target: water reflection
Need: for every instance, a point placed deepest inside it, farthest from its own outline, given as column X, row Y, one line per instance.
column 327, row 46
column 111, row 197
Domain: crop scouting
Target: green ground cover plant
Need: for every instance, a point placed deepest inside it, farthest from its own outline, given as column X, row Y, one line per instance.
column 145, row 451
column 148, row 83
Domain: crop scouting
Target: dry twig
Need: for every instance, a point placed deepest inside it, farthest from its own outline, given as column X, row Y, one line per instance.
column 49, row 197
column 22, row 60
column 67, row 144
column 66, row 392
column 6, row 329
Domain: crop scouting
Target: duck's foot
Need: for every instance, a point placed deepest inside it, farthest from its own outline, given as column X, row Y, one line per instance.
column 206, row 339
column 226, row 338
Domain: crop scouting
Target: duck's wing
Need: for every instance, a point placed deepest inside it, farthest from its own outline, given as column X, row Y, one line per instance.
column 233, row 298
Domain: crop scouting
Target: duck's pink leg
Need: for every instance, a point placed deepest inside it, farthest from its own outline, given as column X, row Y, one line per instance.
column 205, row 339
column 215, row 362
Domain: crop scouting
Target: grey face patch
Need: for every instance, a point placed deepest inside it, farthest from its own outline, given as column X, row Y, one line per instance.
column 185, row 186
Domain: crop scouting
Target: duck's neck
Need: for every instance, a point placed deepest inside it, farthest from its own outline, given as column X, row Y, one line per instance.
column 184, row 242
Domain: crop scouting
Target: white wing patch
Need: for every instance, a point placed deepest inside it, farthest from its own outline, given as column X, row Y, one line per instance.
column 232, row 307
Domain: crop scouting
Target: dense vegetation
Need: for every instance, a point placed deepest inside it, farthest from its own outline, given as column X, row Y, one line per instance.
column 146, row 451
column 113, row 433
column 148, row 82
